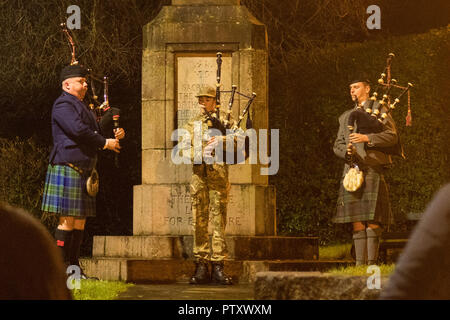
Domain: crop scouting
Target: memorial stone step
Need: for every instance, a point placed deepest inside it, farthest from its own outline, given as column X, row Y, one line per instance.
column 179, row 270
column 180, row 247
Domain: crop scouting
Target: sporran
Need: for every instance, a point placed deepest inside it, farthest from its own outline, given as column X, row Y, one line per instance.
column 353, row 180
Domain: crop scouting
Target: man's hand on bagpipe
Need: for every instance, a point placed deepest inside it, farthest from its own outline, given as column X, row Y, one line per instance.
column 119, row 133
column 357, row 137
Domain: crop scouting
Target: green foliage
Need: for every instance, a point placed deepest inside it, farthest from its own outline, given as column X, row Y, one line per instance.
column 100, row 290
column 22, row 173
column 311, row 24
column 306, row 101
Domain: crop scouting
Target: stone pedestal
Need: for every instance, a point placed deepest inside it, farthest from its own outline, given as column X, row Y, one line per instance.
column 165, row 209
column 179, row 56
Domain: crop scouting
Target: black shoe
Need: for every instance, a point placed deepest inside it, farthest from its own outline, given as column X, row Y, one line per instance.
column 201, row 275
column 218, row 276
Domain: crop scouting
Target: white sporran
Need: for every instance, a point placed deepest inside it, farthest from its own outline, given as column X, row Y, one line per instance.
column 353, row 179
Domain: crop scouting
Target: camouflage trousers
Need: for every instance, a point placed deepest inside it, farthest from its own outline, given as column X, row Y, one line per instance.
column 209, row 197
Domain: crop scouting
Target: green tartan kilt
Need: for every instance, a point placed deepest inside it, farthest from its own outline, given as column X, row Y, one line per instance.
column 369, row 203
column 65, row 193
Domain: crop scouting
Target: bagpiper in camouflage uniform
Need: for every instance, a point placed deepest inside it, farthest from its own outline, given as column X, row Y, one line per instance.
column 209, row 190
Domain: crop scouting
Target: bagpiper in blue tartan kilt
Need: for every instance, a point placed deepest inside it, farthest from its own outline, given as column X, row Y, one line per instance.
column 65, row 193
column 75, row 140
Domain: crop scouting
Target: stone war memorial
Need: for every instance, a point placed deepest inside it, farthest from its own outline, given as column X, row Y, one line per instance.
column 178, row 58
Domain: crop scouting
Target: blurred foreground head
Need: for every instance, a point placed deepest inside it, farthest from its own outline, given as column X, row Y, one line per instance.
column 31, row 265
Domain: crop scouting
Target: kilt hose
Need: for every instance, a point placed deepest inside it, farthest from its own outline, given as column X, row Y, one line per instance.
column 368, row 203
column 65, row 193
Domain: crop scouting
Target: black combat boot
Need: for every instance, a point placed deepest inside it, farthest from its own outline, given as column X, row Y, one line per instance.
column 217, row 274
column 201, row 275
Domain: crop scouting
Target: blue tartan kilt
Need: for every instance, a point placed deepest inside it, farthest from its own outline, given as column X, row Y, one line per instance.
column 65, row 193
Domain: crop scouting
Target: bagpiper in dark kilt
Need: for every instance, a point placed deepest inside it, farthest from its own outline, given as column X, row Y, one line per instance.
column 368, row 205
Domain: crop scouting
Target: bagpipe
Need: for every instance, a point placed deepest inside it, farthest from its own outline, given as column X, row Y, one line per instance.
column 372, row 118
column 231, row 130
column 107, row 116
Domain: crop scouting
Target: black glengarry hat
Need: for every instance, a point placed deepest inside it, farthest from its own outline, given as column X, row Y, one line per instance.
column 359, row 78
column 73, row 71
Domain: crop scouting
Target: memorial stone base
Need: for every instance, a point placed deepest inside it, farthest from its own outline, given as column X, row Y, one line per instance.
column 166, row 259
column 165, row 209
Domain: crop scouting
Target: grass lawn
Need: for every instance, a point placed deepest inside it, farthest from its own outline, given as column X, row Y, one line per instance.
column 335, row 252
column 385, row 270
column 99, row 290
column 342, row 252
